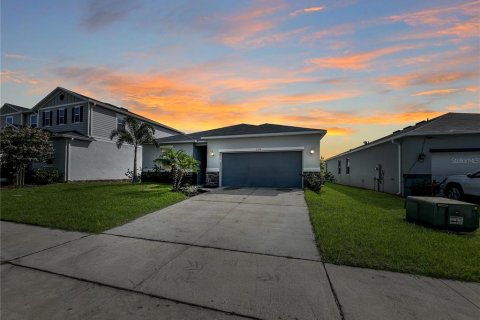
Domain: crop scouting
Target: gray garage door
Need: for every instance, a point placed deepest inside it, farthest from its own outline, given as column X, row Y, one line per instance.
column 262, row 169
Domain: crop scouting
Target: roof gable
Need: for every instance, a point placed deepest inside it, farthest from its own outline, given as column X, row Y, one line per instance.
column 59, row 96
column 11, row 108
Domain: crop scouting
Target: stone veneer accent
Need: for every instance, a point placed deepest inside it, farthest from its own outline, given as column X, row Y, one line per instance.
column 211, row 180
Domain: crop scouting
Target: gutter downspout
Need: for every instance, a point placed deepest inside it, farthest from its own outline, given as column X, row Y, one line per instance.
column 399, row 193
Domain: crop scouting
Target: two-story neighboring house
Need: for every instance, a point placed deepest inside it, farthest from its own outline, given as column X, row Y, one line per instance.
column 11, row 114
column 81, row 128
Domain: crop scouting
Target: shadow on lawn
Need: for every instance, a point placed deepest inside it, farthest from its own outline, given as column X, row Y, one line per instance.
column 370, row 197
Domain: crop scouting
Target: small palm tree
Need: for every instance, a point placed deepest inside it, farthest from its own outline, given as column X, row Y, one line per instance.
column 169, row 158
column 135, row 133
column 180, row 163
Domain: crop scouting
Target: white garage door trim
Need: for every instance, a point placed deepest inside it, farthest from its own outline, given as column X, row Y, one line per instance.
column 276, row 149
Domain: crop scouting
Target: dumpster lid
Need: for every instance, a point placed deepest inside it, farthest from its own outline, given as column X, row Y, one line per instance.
column 439, row 200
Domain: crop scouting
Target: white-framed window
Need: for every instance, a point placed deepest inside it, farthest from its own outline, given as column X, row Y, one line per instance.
column 61, row 116
column 9, row 120
column 47, row 119
column 33, row 121
column 77, row 114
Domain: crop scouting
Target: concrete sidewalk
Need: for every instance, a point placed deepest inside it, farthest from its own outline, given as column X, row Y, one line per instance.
column 246, row 253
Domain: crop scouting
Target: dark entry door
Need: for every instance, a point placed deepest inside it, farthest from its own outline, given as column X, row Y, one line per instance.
column 262, row 169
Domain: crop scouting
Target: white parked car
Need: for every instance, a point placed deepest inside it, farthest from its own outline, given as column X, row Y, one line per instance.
column 455, row 187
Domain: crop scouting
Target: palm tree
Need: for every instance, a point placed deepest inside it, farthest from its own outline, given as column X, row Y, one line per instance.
column 135, row 133
column 169, row 158
column 180, row 163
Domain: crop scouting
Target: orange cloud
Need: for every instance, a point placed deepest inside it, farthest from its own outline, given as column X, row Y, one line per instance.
column 188, row 106
column 358, row 61
column 306, row 10
column 427, row 78
column 469, row 106
column 273, row 38
column 241, row 27
column 18, row 77
column 437, row 16
column 330, row 32
column 437, row 92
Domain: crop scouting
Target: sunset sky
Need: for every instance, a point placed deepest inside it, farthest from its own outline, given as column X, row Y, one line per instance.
column 360, row 69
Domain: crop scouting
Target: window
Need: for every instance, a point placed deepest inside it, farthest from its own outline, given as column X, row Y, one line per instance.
column 339, row 166
column 347, row 169
column 9, row 120
column 33, row 121
column 120, row 122
column 47, row 118
column 61, row 116
column 77, row 114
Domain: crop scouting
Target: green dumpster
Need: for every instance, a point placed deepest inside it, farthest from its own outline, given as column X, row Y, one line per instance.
column 443, row 213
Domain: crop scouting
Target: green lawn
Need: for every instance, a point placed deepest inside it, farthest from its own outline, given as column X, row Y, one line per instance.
column 90, row 207
column 364, row 228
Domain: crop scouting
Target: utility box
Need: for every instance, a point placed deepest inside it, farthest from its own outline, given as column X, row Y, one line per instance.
column 443, row 213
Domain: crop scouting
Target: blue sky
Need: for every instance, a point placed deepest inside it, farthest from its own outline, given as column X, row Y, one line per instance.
column 360, row 69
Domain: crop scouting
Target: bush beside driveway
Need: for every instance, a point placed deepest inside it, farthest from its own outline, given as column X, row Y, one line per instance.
column 363, row 228
column 88, row 207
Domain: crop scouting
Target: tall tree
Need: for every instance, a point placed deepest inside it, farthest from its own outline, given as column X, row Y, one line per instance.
column 20, row 147
column 135, row 133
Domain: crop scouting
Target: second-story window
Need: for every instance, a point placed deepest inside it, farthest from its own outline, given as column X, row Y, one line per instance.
column 33, row 121
column 61, row 116
column 9, row 120
column 77, row 114
column 47, row 118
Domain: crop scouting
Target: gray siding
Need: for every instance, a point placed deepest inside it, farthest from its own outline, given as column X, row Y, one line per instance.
column 7, row 109
column 81, row 127
column 17, row 119
column 363, row 162
column 100, row 160
column 362, row 167
column 161, row 132
column 103, row 122
column 412, row 147
column 67, row 98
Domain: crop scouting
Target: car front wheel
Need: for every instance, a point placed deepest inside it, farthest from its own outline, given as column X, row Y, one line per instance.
column 454, row 192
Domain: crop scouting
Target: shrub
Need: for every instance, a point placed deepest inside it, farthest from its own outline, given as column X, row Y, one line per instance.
column 46, row 176
column 132, row 177
column 313, row 182
column 189, row 190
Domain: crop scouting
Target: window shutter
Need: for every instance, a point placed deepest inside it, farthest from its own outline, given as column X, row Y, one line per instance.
column 43, row 119
column 73, row 114
column 81, row 114
column 58, row 116
column 65, row 118
column 51, row 118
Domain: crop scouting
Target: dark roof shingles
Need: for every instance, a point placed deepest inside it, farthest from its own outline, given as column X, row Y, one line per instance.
column 239, row 129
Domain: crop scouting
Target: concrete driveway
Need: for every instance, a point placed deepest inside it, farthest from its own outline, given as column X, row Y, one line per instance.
column 241, row 252
column 229, row 254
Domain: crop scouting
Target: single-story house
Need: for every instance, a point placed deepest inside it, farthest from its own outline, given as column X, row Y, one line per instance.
column 241, row 155
column 423, row 153
column 246, row 155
